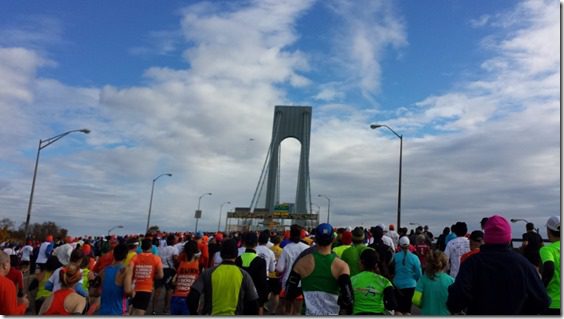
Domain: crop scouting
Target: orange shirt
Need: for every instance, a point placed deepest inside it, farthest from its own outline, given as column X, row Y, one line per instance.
column 104, row 261
column 9, row 301
column 468, row 254
column 145, row 265
column 186, row 274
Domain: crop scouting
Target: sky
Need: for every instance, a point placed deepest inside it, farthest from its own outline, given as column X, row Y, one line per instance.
column 189, row 88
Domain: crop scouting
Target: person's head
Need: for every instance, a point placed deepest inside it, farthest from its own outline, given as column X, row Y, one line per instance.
column 146, row 244
column 436, row 262
column 324, row 235
column 120, row 252
column 346, row 238
column 70, row 275
column 358, row 235
column 446, row 231
column 263, row 237
column 391, row 227
column 530, row 227
column 5, row 263
column 476, row 239
column 295, row 233
column 404, row 243
column 369, row 260
column 251, row 239
column 171, row 240
column 483, row 222
column 275, row 240
column 553, row 228
column 460, row 229
column 229, row 250
column 132, row 243
column 497, row 231
column 191, row 249
column 76, row 256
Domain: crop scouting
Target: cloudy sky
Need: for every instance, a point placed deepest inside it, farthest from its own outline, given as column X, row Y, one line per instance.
column 189, row 88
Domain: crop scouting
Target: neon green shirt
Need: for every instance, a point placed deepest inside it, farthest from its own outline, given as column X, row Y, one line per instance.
column 340, row 249
column 351, row 256
column 552, row 253
column 368, row 290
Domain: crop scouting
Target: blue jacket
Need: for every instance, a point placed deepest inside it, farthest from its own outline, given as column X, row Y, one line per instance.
column 497, row 281
column 406, row 273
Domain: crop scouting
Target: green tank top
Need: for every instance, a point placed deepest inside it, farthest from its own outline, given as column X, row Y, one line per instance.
column 321, row 279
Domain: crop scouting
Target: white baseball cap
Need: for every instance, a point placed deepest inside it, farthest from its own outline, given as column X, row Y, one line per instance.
column 553, row 223
column 404, row 241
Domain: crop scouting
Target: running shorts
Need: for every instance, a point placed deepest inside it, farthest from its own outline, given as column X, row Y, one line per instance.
column 274, row 285
column 141, row 300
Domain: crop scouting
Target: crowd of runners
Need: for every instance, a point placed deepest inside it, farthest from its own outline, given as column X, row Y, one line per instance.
column 320, row 271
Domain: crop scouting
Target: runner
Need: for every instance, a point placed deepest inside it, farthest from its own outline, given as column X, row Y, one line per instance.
column 65, row 301
column 457, row 247
column 40, row 279
column 268, row 255
column 532, row 243
column 393, row 235
column 256, row 267
column 45, row 251
column 373, row 293
column 274, row 284
column 325, row 278
column 226, row 289
column 346, row 242
column 141, row 273
column 431, row 292
column 168, row 254
column 497, row 281
column 10, row 302
column 26, row 253
column 290, row 252
column 186, row 274
column 407, row 272
column 476, row 240
column 113, row 300
column 352, row 255
column 550, row 256
column 55, row 283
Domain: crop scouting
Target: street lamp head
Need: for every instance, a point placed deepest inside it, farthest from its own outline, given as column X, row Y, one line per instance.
column 120, row 226
column 229, row 203
column 169, row 174
column 209, row 193
column 319, row 195
column 85, row 131
column 375, row 126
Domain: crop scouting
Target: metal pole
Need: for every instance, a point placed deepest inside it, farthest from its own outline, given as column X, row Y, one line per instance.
column 32, row 190
column 399, row 183
column 328, row 209
column 150, row 206
column 220, row 211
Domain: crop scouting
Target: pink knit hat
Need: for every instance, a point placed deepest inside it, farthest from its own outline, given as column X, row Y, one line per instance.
column 497, row 230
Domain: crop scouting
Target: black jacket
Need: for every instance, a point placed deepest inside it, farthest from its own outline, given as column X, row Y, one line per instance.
column 497, row 281
column 257, row 270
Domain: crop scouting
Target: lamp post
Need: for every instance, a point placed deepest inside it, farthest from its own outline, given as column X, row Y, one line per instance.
column 151, row 201
column 328, row 205
column 198, row 210
column 375, row 126
column 220, row 210
column 43, row 144
column 118, row 226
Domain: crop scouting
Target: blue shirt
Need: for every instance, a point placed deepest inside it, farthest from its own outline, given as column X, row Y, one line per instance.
column 408, row 269
column 113, row 296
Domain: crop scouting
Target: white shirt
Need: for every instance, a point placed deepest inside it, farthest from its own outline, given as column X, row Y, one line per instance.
column 26, row 251
column 394, row 236
column 41, row 257
column 289, row 254
column 167, row 255
column 55, row 279
column 454, row 250
column 268, row 255
column 388, row 241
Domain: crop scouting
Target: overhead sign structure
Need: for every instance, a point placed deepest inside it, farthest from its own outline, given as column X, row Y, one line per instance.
column 276, row 214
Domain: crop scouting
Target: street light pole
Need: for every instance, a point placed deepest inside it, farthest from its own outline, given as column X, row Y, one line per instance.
column 220, row 210
column 514, row 220
column 151, row 200
column 328, row 205
column 43, row 144
column 118, row 226
column 375, row 126
column 199, row 200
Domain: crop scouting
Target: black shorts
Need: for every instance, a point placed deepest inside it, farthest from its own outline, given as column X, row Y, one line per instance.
column 274, row 285
column 141, row 300
column 404, row 297
column 166, row 280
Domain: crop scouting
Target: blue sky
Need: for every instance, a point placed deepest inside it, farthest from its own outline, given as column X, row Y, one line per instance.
column 181, row 86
